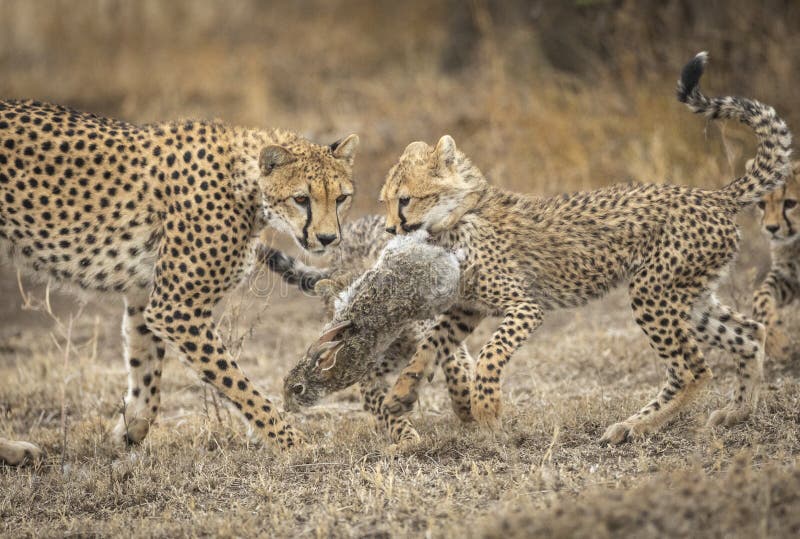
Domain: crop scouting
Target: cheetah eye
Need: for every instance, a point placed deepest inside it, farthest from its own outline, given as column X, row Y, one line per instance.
column 298, row 389
column 302, row 200
column 403, row 201
column 789, row 203
column 341, row 198
column 761, row 204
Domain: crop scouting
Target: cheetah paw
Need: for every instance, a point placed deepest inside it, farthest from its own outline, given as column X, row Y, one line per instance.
column 15, row 453
column 486, row 413
column 617, row 433
column 728, row 416
column 409, row 437
column 401, row 403
column 293, row 439
column 130, row 432
column 463, row 412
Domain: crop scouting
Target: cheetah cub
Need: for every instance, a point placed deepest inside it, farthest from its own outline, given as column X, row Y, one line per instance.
column 166, row 216
column 780, row 221
column 530, row 255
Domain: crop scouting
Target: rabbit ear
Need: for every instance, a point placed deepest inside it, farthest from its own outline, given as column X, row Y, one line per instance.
column 331, row 333
column 326, row 347
column 326, row 355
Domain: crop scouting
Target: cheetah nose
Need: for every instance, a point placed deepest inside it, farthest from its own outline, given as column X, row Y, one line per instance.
column 772, row 229
column 391, row 230
column 326, row 239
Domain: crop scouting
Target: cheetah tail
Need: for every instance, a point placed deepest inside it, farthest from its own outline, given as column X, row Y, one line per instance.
column 291, row 270
column 771, row 164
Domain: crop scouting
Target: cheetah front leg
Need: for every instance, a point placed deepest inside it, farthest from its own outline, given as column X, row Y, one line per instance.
column 458, row 373
column 520, row 320
column 144, row 356
column 458, row 367
column 373, row 393
column 181, row 316
column 193, row 333
column 438, row 345
column 775, row 292
column 728, row 330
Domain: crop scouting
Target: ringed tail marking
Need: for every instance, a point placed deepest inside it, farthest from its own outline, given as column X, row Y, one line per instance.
column 772, row 161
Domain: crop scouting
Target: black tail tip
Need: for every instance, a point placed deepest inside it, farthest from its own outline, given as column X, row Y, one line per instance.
column 690, row 76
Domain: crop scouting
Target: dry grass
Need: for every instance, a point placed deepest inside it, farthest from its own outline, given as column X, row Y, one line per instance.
column 197, row 474
column 607, row 114
column 740, row 502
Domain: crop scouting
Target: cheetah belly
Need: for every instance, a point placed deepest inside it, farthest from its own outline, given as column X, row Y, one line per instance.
column 94, row 260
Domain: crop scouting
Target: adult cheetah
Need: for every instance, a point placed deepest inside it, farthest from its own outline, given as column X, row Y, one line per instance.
column 166, row 215
column 529, row 255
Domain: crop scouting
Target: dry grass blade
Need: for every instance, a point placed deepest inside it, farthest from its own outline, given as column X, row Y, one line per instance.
column 65, row 374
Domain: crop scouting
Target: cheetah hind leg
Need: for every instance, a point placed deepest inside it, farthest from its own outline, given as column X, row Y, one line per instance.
column 722, row 327
column 144, row 355
column 17, row 453
column 680, row 389
column 671, row 335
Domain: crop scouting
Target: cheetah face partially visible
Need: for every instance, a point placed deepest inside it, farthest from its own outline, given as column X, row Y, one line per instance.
column 307, row 190
column 780, row 216
column 429, row 188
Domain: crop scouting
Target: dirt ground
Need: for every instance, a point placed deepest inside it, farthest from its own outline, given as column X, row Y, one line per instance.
column 543, row 474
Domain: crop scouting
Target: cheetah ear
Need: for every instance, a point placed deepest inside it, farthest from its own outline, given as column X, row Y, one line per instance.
column 445, row 152
column 345, row 148
column 416, row 148
column 273, row 157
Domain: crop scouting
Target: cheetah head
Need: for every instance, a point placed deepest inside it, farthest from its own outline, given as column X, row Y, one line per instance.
column 307, row 189
column 780, row 217
column 318, row 374
column 430, row 188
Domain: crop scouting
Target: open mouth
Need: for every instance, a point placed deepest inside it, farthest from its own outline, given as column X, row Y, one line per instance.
column 411, row 228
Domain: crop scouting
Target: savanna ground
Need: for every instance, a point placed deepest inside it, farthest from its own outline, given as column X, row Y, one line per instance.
column 546, row 97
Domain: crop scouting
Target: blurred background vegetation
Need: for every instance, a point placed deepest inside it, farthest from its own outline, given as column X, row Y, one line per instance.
column 545, row 96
